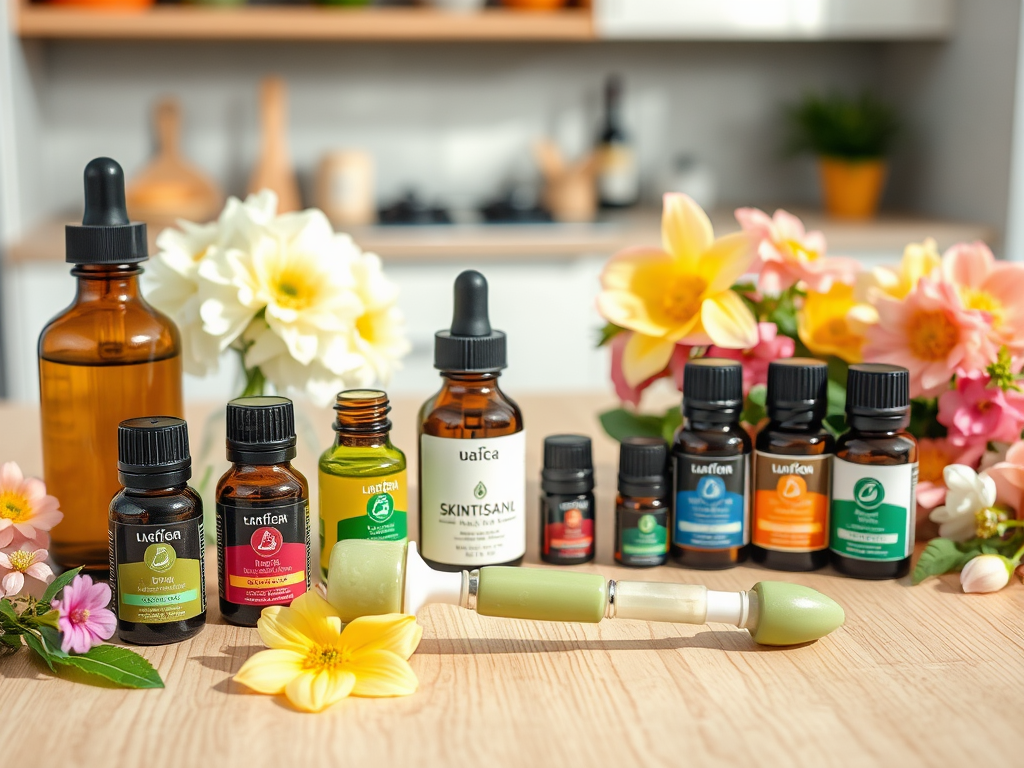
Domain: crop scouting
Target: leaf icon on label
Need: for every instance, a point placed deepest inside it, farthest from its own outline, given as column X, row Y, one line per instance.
column 480, row 491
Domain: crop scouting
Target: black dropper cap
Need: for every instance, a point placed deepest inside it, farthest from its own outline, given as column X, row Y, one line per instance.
column 643, row 469
column 105, row 236
column 797, row 390
column 470, row 345
column 152, row 452
column 261, row 430
column 715, row 387
column 568, row 466
column 878, row 397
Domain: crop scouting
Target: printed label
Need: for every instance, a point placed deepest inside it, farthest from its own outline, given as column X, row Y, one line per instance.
column 643, row 539
column 473, row 499
column 711, row 502
column 791, row 500
column 263, row 552
column 361, row 508
column 569, row 528
column 158, row 576
column 873, row 510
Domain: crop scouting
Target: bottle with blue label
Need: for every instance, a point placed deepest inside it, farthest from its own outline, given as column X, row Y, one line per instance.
column 711, row 468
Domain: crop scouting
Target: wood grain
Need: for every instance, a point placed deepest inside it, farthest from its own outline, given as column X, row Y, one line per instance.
column 919, row 676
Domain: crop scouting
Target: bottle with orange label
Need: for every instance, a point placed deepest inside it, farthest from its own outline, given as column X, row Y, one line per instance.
column 793, row 469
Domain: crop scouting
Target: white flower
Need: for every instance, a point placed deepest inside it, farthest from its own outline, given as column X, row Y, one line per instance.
column 986, row 573
column 969, row 493
column 379, row 335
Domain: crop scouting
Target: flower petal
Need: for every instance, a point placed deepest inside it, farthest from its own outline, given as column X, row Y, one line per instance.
column 395, row 632
column 382, row 673
column 270, row 671
column 728, row 321
column 12, row 583
column 685, row 230
column 726, row 261
column 315, row 691
column 645, row 356
column 309, row 619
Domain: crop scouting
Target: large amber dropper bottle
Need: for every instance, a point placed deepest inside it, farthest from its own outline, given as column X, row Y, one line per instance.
column 106, row 358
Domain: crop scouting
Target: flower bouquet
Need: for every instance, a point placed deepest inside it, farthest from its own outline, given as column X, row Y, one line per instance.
column 771, row 291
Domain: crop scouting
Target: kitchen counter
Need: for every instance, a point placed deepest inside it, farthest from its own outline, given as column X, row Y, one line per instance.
column 919, row 676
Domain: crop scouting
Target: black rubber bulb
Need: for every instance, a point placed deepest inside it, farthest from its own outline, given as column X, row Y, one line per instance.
column 104, row 194
column 470, row 317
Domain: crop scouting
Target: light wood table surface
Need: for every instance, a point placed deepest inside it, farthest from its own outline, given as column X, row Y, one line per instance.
column 919, row 676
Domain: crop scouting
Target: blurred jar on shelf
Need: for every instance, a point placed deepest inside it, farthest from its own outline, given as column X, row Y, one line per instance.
column 344, row 187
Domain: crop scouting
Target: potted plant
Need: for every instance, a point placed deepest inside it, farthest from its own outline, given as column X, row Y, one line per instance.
column 851, row 138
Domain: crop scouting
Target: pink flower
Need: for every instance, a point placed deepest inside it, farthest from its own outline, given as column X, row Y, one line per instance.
column 20, row 563
column 974, row 411
column 931, row 334
column 770, row 346
column 786, row 254
column 1009, row 478
column 83, row 616
column 994, row 289
column 25, row 509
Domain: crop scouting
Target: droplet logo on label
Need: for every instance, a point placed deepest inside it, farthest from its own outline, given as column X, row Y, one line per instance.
column 869, row 493
column 711, row 489
column 160, row 557
column 266, row 542
column 380, row 507
column 647, row 524
column 480, row 491
column 792, row 487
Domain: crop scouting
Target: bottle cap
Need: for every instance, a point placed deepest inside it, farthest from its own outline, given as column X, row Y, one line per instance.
column 261, row 430
column 878, row 396
column 105, row 236
column 152, row 452
column 713, row 384
column 643, row 467
column 568, row 466
column 470, row 344
column 797, row 389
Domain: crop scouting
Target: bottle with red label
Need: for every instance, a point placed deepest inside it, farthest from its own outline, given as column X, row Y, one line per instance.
column 567, row 501
column 263, row 553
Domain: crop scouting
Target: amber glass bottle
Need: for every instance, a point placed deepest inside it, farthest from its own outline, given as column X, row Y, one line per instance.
column 711, row 457
column 263, row 553
column 874, row 476
column 793, row 469
column 643, row 504
column 472, row 467
column 107, row 358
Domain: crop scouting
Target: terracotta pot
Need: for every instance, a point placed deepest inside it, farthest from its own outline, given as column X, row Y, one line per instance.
column 852, row 188
column 534, row 5
column 106, row 5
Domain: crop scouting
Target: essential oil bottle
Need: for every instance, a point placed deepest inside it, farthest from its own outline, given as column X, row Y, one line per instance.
column 567, row 501
column 874, row 476
column 472, row 461
column 643, row 504
column 155, row 530
column 711, row 457
column 263, row 555
column 793, row 469
column 363, row 485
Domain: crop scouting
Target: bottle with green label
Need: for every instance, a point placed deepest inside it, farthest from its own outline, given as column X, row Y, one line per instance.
column 363, row 488
column 156, row 535
column 874, row 476
column 643, row 504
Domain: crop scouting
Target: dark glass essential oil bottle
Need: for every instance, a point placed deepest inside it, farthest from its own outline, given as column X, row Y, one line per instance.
column 567, row 501
column 263, row 553
column 643, row 504
column 874, row 476
column 155, row 530
column 711, row 457
column 793, row 469
column 472, row 459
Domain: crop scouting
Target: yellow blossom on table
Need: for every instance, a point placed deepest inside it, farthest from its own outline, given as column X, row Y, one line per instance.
column 832, row 324
column 919, row 260
column 679, row 294
column 316, row 661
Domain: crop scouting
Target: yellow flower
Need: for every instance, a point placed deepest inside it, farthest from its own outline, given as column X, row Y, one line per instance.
column 316, row 661
column 919, row 260
column 832, row 323
column 680, row 294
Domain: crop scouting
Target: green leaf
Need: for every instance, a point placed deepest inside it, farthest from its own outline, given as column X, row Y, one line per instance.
column 7, row 610
column 117, row 665
column 48, row 619
column 924, row 421
column 11, row 640
column 754, row 408
column 609, row 332
column 51, row 640
column 58, row 584
column 32, row 641
column 620, row 423
column 670, row 422
column 940, row 556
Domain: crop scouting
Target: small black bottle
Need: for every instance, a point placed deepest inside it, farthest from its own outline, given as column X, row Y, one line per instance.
column 567, row 501
column 711, row 457
column 156, row 535
column 643, row 504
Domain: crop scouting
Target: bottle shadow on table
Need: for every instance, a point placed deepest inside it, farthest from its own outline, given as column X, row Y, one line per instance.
column 726, row 641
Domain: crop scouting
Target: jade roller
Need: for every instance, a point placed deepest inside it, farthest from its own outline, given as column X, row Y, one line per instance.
column 368, row 578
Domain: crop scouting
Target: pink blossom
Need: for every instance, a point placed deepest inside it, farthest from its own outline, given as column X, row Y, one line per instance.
column 18, row 563
column 26, row 512
column 1009, row 478
column 993, row 289
column 770, row 346
column 787, row 254
column 83, row 616
column 975, row 411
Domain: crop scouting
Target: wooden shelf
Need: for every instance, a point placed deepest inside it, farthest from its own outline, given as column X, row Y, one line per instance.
column 185, row 22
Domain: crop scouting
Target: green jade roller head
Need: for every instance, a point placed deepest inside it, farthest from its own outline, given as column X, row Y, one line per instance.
column 368, row 578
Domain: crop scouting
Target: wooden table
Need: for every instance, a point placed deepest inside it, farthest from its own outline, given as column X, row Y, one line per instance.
column 919, row 676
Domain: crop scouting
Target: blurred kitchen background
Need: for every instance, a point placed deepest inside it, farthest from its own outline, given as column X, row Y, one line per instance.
column 430, row 134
